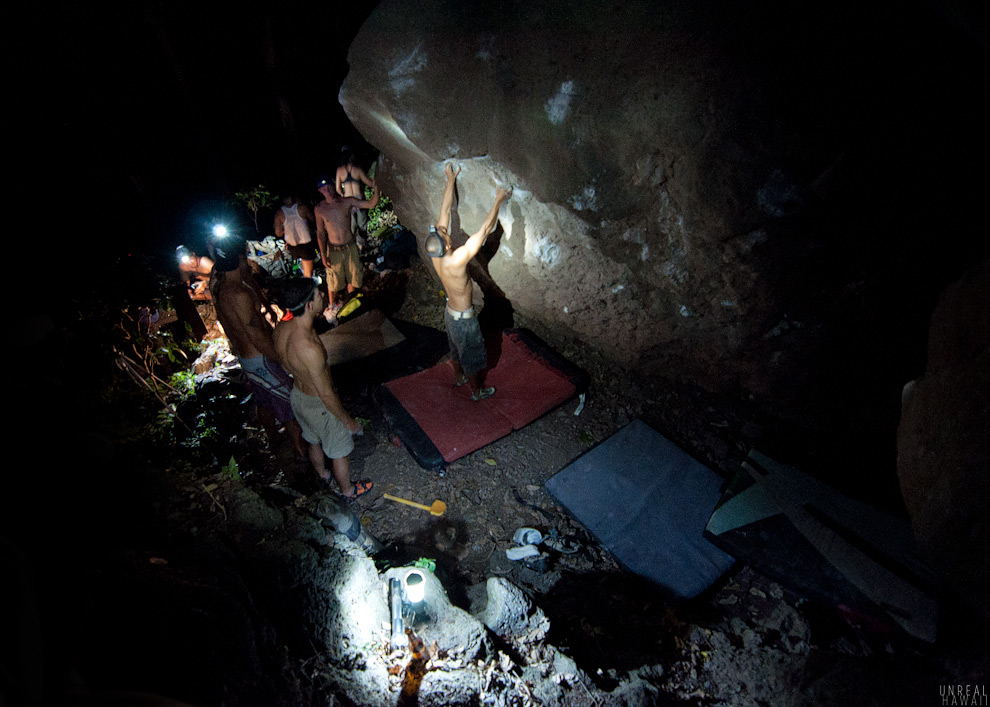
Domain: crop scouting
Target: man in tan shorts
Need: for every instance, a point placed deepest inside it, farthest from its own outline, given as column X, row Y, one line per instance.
column 326, row 426
column 467, row 347
column 338, row 249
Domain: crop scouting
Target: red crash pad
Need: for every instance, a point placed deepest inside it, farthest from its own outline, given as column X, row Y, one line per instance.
column 528, row 384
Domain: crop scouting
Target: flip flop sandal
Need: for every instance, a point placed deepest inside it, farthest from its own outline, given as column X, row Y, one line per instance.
column 522, row 552
column 360, row 488
column 539, row 563
column 482, row 394
column 527, row 536
column 561, row 545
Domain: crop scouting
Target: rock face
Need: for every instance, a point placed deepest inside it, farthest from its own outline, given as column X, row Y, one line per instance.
column 511, row 615
column 943, row 443
column 623, row 206
column 693, row 194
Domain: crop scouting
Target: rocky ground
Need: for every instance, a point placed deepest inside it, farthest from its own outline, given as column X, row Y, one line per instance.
column 161, row 570
column 749, row 641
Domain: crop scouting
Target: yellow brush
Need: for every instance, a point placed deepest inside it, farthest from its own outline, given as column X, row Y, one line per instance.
column 436, row 509
column 349, row 307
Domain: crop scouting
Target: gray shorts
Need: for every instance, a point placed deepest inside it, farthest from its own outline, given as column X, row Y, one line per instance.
column 320, row 426
column 467, row 346
column 270, row 384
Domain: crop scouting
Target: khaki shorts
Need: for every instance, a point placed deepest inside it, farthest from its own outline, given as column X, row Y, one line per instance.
column 344, row 268
column 320, row 426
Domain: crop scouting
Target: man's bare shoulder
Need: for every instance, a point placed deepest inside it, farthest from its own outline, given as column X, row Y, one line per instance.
column 306, row 351
column 455, row 262
column 239, row 294
column 329, row 208
column 298, row 340
column 230, row 290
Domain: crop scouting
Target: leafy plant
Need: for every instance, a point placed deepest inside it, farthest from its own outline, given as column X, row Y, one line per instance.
column 256, row 199
column 381, row 217
column 183, row 382
column 426, row 563
column 171, row 350
column 231, row 470
column 203, row 433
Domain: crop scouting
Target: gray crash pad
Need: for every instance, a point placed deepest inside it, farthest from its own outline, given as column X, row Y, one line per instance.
column 647, row 502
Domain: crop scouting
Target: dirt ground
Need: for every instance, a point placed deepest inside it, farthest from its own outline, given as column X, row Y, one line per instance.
column 747, row 641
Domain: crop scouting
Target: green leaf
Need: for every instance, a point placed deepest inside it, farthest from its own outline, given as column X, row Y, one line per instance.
column 426, row 563
column 231, row 470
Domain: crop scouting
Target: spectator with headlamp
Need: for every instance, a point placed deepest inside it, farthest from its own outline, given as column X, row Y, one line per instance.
column 338, row 249
column 195, row 270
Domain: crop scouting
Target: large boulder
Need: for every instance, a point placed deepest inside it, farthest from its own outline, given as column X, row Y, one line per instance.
column 694, row 191
column 943, row 442
column 626, row 210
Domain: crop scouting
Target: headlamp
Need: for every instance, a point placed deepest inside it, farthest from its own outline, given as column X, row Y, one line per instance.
column 435, row 246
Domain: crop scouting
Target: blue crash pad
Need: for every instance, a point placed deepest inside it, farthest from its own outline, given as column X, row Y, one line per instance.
column 647, row 502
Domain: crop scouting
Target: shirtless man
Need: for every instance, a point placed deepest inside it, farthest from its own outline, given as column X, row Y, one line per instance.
column 338, row 251
column 467, row 347
column 235, row 295
column 350, row 181
column 326, row 425
column 292, row 225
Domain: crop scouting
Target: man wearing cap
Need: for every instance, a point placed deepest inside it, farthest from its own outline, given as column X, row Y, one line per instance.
column 292, row 225
column 467, row 347
column 338, row 249
column 239, row 307
column 326, row 425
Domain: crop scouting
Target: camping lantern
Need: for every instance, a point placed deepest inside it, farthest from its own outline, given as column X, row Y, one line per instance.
column 414, row 585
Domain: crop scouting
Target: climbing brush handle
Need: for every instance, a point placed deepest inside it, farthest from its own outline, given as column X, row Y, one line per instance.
column 408, row 503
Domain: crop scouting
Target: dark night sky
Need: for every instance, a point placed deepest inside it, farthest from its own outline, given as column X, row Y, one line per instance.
column 136, row 122
column 142, row 119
